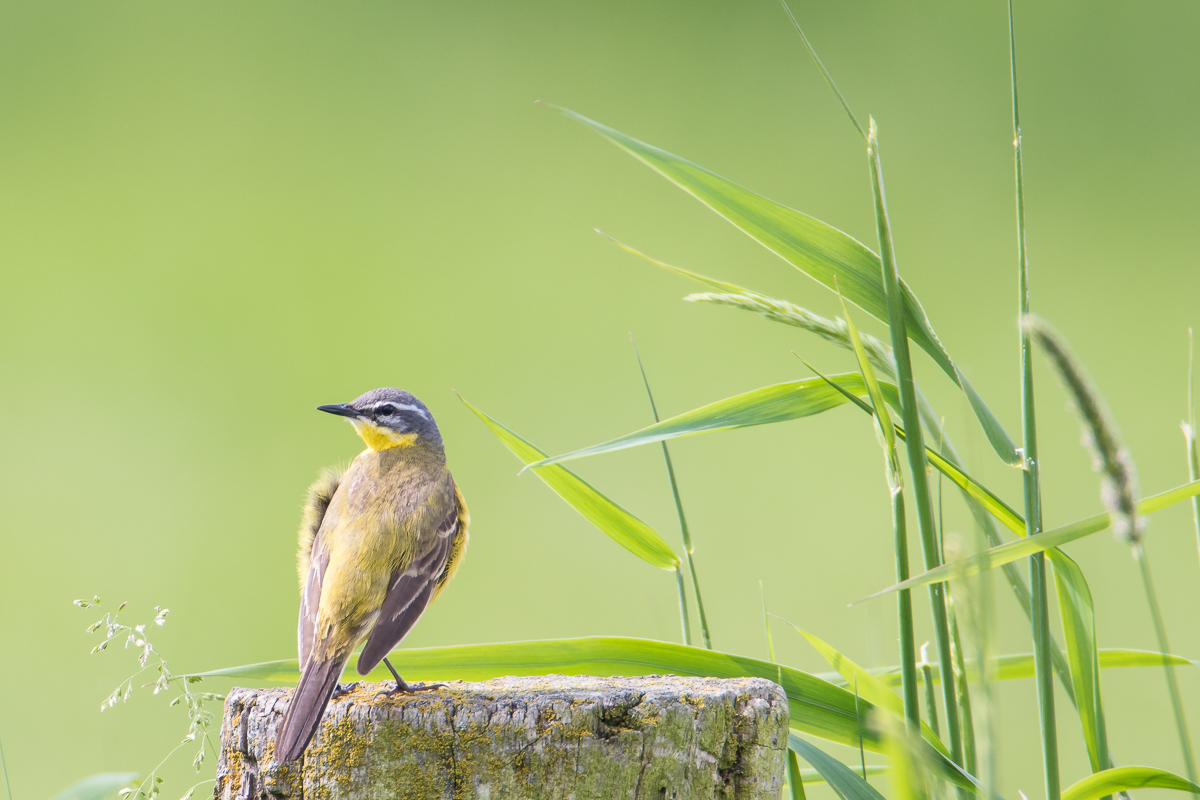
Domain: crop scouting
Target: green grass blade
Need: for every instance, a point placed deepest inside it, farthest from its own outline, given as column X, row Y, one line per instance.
column 684, row 532
column 795, row 777
column 1079, row 633
column 848, row 784
column 95, row 787
column 815, row 776
column 868, row 686
column 779, row 403
column 817, row 707
column 1123, row 779
column 819, row 250
column 1021, row 548
column 618, row 524
column 1020, row 665
column 1189, row 439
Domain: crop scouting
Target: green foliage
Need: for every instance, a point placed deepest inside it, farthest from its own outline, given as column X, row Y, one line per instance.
column 1123, row 779
column 622, row 527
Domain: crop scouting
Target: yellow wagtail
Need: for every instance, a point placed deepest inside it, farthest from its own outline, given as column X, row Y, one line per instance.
column 378, row 543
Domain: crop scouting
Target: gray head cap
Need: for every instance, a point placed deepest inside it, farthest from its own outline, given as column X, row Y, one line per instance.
column 393, row 409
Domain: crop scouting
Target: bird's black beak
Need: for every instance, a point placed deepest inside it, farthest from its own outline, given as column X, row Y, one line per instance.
column 341, row 409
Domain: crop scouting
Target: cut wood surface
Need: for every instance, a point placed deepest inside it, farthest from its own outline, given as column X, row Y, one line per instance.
column 575, row 738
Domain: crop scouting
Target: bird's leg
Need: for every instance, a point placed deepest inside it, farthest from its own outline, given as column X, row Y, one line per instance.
column 406, row 688
column 343, row 689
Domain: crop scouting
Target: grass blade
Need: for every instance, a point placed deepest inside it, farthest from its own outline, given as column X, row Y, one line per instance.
column 1123, row 779
column 618, row 524
column 1030, row 463
column 1020, row 665
column 684, row 532
column 898, row 324
column 895, row 478
column 779, row 403
column 1021, row 548
column 814, row 776
column 842, row 779
column 821, row 251
column 867, row 685
column 795, row 777
column 1079, row 632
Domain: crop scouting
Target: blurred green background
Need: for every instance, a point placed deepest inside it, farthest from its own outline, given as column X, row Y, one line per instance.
column 215, row 216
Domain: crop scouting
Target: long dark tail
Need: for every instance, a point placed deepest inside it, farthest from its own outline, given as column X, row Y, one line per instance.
column 308, row 705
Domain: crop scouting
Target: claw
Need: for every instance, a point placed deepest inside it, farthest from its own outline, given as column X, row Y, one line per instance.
column 409, row 688
column 343, row 689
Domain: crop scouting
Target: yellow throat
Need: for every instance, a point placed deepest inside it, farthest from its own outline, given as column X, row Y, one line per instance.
column 378, row 438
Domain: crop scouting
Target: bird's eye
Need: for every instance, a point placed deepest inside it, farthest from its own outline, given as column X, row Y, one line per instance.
column 385, row 411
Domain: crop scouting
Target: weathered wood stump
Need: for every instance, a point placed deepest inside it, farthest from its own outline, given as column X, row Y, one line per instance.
column 574, row 738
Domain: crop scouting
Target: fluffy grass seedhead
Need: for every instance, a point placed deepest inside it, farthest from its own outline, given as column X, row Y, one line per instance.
column 1118, row 486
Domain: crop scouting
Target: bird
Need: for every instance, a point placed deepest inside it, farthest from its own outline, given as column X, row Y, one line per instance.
column 378, row 544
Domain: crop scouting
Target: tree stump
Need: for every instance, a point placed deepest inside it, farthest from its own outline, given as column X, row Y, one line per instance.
column 574, row 738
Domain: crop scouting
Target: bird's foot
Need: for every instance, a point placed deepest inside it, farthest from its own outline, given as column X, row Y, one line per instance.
column 402, row 687
column 343, row 689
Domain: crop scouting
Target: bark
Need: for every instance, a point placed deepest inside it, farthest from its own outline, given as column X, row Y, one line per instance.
column 574, row 738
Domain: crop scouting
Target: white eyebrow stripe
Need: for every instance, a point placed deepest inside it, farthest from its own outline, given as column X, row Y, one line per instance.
column 403, row 406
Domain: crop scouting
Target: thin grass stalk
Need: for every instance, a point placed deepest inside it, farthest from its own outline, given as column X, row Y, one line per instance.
column 908, row 649
column 886, row 432
column 1160, row 630
column 931, row 712
column 915, row 445
column 684, row 533
column 862, row 754
column 762, row 594
column 684, row 621
column 961, row 688
column 1189, row 438
column 1032, row 479
column 824, row 72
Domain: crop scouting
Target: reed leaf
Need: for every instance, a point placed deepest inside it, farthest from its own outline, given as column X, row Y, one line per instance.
column 1012, row 551
column 867, row 685
column 886, row 432
column 1079, row 633
column 1020, row 665
column 795, row 777
column 618, row 524
column 848, row 784
column 815, row 776
column 1123, row 779
column 821, row 251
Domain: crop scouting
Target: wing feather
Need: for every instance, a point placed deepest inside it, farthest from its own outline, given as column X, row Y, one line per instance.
column 409, row 594
column 313, row 558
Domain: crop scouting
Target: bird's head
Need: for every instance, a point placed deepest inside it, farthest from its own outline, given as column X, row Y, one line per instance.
column 387, row 418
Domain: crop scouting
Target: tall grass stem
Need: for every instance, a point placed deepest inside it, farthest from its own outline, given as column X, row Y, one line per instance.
column 915, row 445
column 1160, row 630
column 684, row 533
column 1043, row 672
column 824, row 72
